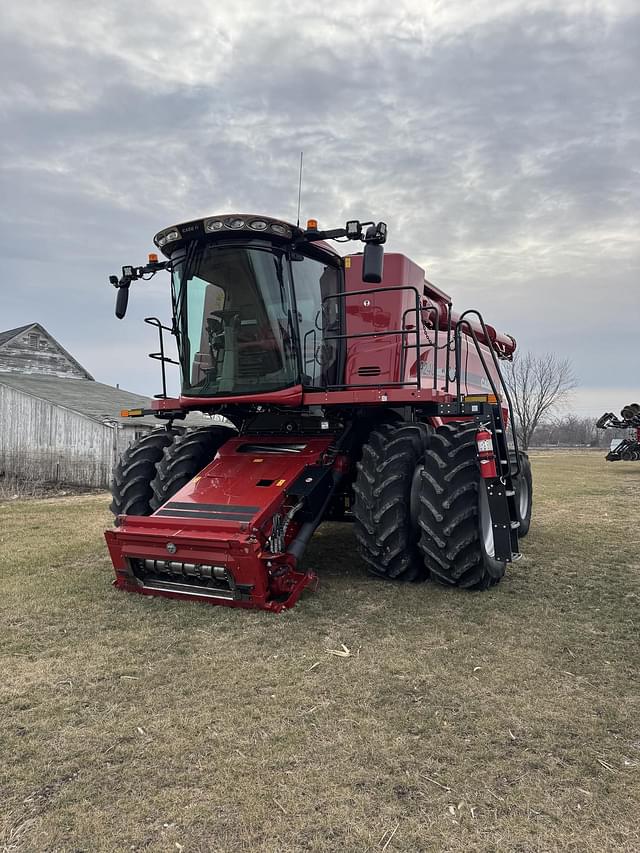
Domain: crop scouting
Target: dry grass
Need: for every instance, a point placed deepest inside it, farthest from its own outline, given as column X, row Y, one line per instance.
column 504, row 721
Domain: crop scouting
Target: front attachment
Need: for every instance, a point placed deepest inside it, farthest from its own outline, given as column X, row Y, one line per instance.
column 234, row 533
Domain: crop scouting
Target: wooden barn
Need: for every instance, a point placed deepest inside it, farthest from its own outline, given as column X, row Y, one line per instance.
column 57, row 424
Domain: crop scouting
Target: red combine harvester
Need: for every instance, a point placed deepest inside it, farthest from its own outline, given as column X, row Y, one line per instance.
column 351, row 392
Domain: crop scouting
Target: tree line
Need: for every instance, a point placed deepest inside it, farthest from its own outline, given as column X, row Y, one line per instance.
column 571, row 430
column 540, row 387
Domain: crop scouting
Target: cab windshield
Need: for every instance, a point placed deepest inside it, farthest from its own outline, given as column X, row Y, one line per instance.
column 235, row 320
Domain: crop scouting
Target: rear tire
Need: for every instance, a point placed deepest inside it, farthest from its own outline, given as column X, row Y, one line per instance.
column 457, row 537
column 131, row 484
column 385, row 514
column 523, row 486
column 185, row 458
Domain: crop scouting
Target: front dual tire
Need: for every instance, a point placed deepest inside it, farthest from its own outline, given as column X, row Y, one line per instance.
column 421, row 507
column 456, row 537
column 131, row 492
column 153, row 468
column 384, row 491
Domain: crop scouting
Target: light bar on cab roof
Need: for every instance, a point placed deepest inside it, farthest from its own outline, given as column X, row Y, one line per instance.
column 239, row 223
column 165, row 237
column 218, row 224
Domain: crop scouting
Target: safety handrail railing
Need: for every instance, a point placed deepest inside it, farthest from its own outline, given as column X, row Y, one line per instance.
column 429, row 344
column 380, row 333
column 160, row 356
column 503, row 385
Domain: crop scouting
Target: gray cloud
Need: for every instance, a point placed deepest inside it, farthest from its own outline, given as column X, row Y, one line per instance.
column 500, row 141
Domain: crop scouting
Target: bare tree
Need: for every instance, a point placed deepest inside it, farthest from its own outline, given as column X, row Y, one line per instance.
column 538, row 385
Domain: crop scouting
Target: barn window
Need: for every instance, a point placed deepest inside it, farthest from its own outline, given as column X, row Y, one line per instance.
column 33, row 340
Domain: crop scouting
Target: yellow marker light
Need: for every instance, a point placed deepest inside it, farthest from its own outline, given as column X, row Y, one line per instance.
column 312, row 224
column 481, row 398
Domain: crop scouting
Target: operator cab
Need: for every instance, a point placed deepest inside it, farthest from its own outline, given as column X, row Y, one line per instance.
column 255, row 301
column 249, row 311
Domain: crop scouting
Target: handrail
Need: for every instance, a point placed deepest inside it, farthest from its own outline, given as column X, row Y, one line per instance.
column 429, row 344
column 379, row 334
column 449, row 306
column 503, row 384
column 160, row 356
column 312, row 360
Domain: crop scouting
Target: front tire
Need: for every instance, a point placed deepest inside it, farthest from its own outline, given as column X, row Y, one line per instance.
column 185, row 458
column 457, row 536
column 385, row 514
column 131, row 491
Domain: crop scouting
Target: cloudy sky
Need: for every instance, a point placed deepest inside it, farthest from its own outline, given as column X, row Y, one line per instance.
column 499, row 139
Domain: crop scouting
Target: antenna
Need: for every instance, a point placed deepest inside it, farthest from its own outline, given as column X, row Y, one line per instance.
column 299, row 189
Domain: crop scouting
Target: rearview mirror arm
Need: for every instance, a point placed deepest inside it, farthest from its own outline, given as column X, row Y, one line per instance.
column 130, row 274
column 375, row 233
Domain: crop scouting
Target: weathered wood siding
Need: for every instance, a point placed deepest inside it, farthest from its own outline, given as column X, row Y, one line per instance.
column 35, row 352
column 44, row 442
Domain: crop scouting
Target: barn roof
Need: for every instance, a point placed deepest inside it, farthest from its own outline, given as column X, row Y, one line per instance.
column 92, row 399
column 12, row 333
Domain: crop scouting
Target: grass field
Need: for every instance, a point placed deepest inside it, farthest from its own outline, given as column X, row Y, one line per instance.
column 499, row 721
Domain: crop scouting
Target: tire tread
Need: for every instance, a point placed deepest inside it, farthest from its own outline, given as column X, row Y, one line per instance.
column 450, row 540
column 382, row 524
column 185, row 458
column 131, row 491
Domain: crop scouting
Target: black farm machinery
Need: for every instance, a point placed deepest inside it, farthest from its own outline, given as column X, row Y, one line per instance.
column 625, row 449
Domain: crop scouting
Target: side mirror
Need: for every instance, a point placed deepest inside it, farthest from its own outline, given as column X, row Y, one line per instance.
column 372, row 263
column 122, row 300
